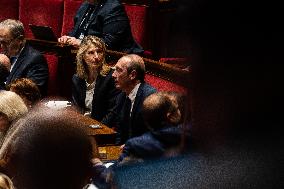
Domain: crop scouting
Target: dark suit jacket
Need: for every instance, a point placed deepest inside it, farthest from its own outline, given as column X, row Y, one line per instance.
column 31, row 64
column 3, row 76
column 136, row 126
column 153, row 144
column 109, row 22
column 104, row 98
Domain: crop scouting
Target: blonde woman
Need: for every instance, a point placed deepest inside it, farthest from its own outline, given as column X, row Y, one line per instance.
column 93, row 88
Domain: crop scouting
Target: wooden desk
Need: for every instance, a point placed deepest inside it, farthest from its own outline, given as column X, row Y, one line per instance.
column 109, row 153
column 103, row 135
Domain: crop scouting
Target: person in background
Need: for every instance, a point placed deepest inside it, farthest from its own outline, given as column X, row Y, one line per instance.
column 48, row 150
column 105, row 19
column 129, row 77
column 93, row 89
column 27, row 90
column 25, row 61
column 12, row 107
column 4, row 70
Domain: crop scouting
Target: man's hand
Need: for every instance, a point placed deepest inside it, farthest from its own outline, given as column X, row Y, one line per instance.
column 69, row 40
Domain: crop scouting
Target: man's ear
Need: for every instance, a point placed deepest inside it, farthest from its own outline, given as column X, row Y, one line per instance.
column 133, row 75
column 170, row 117
column 173, row 117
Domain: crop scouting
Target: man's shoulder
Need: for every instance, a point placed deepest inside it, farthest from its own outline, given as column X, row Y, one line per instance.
column 30, row 50
column 141, row 141
column 147, row 89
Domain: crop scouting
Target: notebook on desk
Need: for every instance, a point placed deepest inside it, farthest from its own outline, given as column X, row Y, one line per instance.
column 43, row 32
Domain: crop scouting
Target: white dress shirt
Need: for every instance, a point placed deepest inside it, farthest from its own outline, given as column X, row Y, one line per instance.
column 90, row 89
column 132, row 95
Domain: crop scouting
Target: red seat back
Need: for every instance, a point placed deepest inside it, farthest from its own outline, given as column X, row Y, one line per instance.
column 140, row 22
column 43, row 12
column 9, row 9
column 70, row 9
column 164, row 85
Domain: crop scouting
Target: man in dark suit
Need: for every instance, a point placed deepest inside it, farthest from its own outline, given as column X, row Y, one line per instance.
column 25, row 61
column 105, row 19
column 129, row 77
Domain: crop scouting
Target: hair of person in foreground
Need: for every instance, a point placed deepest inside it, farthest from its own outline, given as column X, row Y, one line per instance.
column 12, row 107
column 27, row 90
column 5, row 182
column 48, row 149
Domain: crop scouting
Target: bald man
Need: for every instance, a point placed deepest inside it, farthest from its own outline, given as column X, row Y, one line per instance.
column 129, row 77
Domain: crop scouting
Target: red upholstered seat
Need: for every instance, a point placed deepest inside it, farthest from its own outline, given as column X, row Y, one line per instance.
column 141, row 26
column 164, row 85
column 70, row 9
column 44, row 12
column 9, row 9
column 53, row 70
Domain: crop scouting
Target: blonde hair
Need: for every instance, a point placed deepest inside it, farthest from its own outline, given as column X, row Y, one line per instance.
column 12, row 105
column 88, row 42
column 5, row 182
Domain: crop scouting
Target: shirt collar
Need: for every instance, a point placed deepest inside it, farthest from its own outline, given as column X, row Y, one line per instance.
column 133, row 93
column 14, row 58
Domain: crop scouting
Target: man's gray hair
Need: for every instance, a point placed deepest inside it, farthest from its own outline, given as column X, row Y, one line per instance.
column 16, row 27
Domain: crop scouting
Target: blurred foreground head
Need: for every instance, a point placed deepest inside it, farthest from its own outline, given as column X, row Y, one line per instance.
column 5, row 182
column 12, row 107
column 47, row 149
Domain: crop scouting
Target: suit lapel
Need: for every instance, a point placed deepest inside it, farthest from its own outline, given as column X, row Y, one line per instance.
column 82, row 92
column 138, row 100
column 99, row 5
column 81, row 17
column 18, row 64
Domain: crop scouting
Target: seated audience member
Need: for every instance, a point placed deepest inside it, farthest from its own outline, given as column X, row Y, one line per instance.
column 129, row 77
column 12, row 107
column 5, row 182
column 25, row 61
column 105, row 19
column 48, row 150
column 27, row 90
column 4, row 70
column 162, row 116
column 93, row 89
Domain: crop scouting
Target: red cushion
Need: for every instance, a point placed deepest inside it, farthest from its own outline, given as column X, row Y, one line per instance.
column 9, row 9
column 164, row 85
column 41, row 12
column 52, row 62
column 139, row 18
column 70, row 9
